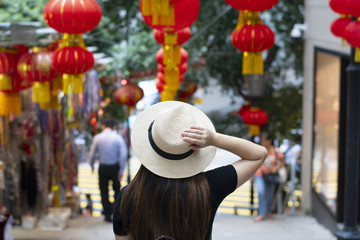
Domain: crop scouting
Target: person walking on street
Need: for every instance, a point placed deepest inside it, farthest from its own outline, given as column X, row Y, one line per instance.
column 265, row 189
column 110, row 149
column 171, row 197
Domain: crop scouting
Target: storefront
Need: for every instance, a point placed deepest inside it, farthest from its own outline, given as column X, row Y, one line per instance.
column 324, row 118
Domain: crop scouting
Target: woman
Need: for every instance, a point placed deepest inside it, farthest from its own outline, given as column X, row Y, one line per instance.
column 170, row 197
column 265, row 189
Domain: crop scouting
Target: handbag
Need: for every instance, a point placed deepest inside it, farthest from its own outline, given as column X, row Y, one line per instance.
column 272, row 178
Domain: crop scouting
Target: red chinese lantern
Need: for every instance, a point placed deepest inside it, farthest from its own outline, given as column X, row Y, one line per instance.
column 185, row 93
column 72, row 62
column 7, row 62
column 36, row 67
column 128, row 95
column 252, row 39
column 255, row 117
column 72, row 16
column 170, row 17
column 339, row 6
column 7, row 66
column 252, row 5
column 243, row 109
column 181, row 36
column 338, row 26
column 352, row 7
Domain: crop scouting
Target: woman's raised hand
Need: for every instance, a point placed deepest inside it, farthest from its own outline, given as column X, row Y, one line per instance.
column 198, row 137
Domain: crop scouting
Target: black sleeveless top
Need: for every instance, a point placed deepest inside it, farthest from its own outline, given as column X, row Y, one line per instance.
column 222, row 181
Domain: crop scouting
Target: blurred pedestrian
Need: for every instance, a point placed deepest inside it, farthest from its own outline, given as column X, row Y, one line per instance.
column 110, row 149
column 293, row 158
column 265, row 185
column 171, row 197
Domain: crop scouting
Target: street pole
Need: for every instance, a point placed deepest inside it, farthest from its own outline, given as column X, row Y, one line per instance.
column 350, row 231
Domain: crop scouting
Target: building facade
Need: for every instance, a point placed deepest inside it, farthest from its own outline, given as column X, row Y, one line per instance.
column 324, row 118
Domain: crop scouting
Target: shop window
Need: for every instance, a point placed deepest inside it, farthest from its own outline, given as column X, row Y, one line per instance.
column 325, row 162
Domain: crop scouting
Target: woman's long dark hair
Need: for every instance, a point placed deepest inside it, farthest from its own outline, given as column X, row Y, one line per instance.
column 153, row 206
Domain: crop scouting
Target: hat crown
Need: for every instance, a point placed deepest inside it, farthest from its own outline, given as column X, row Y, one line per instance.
column 167, row 128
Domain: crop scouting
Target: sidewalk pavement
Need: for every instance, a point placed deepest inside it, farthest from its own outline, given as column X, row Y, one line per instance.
column 226, row 227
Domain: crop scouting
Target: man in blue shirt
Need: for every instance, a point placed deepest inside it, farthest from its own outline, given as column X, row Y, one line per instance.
column 110, row 149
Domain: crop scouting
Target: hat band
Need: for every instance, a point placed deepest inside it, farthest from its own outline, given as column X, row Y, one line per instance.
column 164, row 154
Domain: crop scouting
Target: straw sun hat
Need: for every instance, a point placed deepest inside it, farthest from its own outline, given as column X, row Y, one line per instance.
column 157, row 142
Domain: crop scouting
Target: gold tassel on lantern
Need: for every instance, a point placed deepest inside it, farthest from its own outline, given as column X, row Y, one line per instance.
column 5, row 82
column 172, row 56
column 168, row 95
column 41, row 92
column 357, row 55
column 172, row 78
column 72, row 40
column 75, row 82
column 254, row 130
column 52, row 104
column 10, row 103
column 253, row 63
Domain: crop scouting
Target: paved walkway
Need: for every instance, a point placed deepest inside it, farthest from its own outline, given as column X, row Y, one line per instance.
column 226, row 227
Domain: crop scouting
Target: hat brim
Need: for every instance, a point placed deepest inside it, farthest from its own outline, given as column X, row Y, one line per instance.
column 163, row 167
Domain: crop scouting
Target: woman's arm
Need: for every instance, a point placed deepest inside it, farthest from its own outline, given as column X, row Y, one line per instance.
column 252, row 155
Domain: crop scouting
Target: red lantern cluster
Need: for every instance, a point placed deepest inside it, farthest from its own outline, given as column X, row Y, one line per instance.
column 171, row 20
column 72, row 17
column 345, row 28
column 251, row 36
column 339, row 25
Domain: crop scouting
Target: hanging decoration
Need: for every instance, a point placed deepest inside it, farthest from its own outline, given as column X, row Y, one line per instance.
column 352, row 32
column 252, row 37
column 7, row 66
column 10, row 100
column 173, row 70
column 73, row 18
column 128, row 95
column 187, row 91
column 339, row 25
column 36, row 67
column 255, row 117
column 171, row 21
